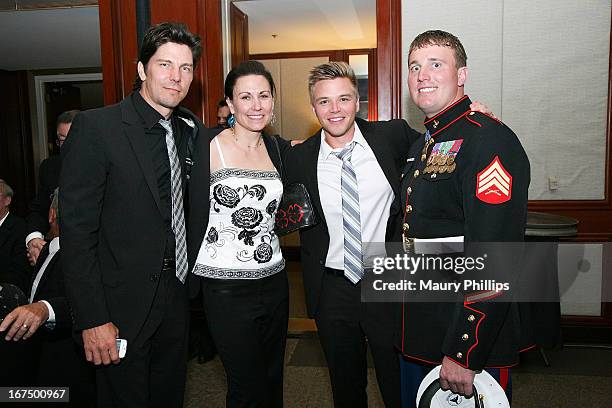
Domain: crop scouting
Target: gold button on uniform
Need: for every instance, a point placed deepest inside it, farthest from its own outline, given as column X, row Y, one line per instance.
column 423, row 157
column 472, row 113
column 471, row 318
column 465, row 337
column 416, row 173
column 434, row 175
column 460, row 355
column 435, row 124
column 408, row 208
column 409, row 190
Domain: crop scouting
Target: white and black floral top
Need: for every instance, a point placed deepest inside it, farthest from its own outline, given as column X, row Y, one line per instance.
column 240, row 242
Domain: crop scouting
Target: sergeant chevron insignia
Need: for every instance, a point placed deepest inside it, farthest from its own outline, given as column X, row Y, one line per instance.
column 494, row 183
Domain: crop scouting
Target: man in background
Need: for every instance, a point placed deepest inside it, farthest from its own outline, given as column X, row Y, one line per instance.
column 223, row 112
column 48, row 180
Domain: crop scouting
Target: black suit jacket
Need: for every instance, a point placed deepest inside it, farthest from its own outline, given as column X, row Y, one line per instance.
column 51, row 288
column 390, row 142
column 13, row 260
column 48, row 180
column 113, row 230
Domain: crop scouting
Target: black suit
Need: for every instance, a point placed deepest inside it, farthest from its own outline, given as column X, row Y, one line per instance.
column 13, row 261
column 48, row 180
column 114, row 231
column 332, row 300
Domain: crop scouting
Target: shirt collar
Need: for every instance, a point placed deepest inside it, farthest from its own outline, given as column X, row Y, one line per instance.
column 4, row 218
column 150, row 117
column 54, row 246
column 326, row 150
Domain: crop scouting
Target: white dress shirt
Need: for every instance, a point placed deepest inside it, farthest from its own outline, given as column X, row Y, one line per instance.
column 375, row 198
column 3, row 218
column 54, row 246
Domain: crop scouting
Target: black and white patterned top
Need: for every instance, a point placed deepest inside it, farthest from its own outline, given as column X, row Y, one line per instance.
column 240, row 242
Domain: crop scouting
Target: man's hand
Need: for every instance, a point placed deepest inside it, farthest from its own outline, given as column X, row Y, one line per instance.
column 456, row 378
column 24, row 321
column 34, row 247
column 100, row 345
column 480, row 107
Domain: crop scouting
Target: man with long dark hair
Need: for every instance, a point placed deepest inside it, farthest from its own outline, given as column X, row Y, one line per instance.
column 123, row 186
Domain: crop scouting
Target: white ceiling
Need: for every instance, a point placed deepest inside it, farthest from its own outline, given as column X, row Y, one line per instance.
column 309, row 25
column 45, row 39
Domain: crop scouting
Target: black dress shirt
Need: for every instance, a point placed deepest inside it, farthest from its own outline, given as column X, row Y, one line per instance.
column 155, row 136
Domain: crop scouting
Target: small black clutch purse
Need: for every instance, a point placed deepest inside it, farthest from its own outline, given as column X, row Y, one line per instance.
column 295, row 210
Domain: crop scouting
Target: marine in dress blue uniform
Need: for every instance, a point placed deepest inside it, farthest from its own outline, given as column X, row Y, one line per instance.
column 467, row 177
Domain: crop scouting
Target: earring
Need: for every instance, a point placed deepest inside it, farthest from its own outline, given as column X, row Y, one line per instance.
column 231, row 121
column 273, row 119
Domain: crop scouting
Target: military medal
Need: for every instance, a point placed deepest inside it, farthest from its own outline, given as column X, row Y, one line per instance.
column 444, row 154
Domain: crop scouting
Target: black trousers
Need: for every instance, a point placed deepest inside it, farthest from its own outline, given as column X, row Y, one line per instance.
column 248, row 322
column 346, row 326
column 152, row 374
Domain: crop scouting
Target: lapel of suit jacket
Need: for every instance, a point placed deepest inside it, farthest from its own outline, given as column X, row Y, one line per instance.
column 199, row 190
column 134, row 131
column 47, row 273
column 383, row 155
column 311, row 159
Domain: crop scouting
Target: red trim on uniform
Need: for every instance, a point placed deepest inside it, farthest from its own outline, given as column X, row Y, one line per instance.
column 493, row 117
column 403, row 325
column 484, row 315
column 409, row 357
column 446, row 109
column 473, row 121
column 528, row 348
column 456, row 362
column 503, row 378
column 493, row 296
column 450, row 123
column 502, row 367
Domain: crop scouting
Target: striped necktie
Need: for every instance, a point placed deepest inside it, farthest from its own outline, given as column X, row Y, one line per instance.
column 178, row 215
column 351, row 218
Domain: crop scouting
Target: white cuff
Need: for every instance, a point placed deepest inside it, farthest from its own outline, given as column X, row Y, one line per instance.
column 50, row 323
column 33, row 235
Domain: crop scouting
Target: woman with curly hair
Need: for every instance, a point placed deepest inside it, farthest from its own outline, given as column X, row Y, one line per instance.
column 245, row 286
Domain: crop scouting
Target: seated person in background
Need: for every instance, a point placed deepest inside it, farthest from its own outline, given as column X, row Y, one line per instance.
column 13, row 265
column 57, row 359
column 48, row 180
